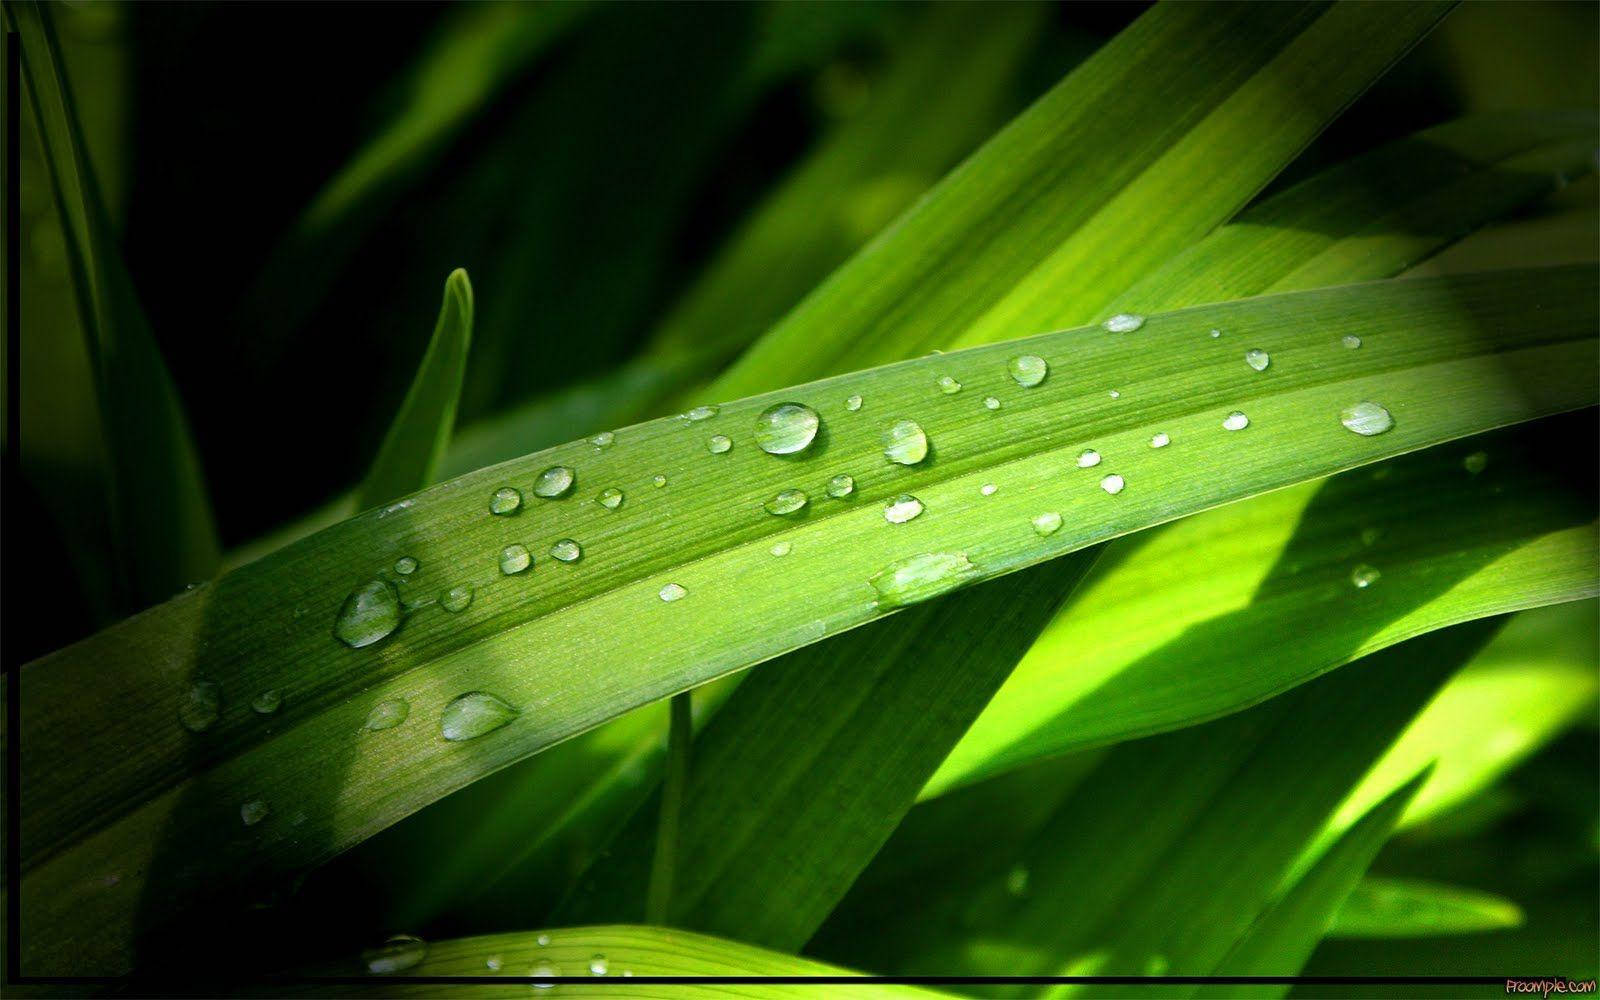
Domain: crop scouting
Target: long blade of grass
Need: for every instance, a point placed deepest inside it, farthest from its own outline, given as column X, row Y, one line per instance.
column 1399, row 908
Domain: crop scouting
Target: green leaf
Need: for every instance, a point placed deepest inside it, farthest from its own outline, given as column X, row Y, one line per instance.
column 155, row 484
column 1393, row 907
column 421, row 430
column 1448, row 357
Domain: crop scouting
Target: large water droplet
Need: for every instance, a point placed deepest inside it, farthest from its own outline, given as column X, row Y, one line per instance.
column 387, row 714
column 1028, row 370
column 1235, row 421
column 1047, row 523
column 553, row 482
column 405, row 565
column 603, row 439
column 672, row 592
column 200, row 706
column 1366, row 419
column 399, row 953
column 905, row 443
column 1476, row 462
column 598, row 966
column 470, row 715
column 505, row 501
column 786, row 502
column 902, row 509
column 701, row 413
column 514, row 559
column 1124, row 322
column 611, row 498
column 1160, row 439
column 544, row 971
column 1364, row 576
column 853, row 403
column 1088, row 458
column 1351, row 341
column 991, row 403
column 371, row 612
column 1257, row 358
column 1112, row 484
column 787, row 428
column 266, row 702
column 781, row 548
column 567, row 550
column 719, row 444
column 253, row 812
column 841, row 486
column 921, row 577
column 457, row 599
column 948, row 385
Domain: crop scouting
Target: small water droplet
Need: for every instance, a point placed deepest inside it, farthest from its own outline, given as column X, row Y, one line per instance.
column 610, row 498
column 387, row 714
column 266, row 702
column 905, row 443
column 1476, row 462
column 369, row 613
column 1112, row 484
column 841, row 486
column 921, row 577
column 853, row 403
column 1088, row 458
column 1257, row 358
column 1114, row 394
column 660, row 481
column 399, row 953
column 566, row 550
column 719, row 444
column 988, row 489
column 781, row 548
column 948, row 385
column 700, row 413
column 1160, row 439
column 200, row 706
column 991, row 403
column 672, row 592
column 1027, row 370
column 786, row 502
column 1364, row 576
column 505, row 501
column 1215, row 334
column 598, row 966
column 1124, row 323
column 1235, row 421
column 1366, row 419
column 786, row 428
column 514, row 559
column 543, row 940
column 470, row 715
column 553, row 482
column 902, row 509
column 457, row 599
column 1047, row 523
column 253, row 812
column 627, row 972
column 1351, row 341
column 1017, row 881
column 1370, row 536
column 405, row 565
column 494, row 963
column 544, row 971
column 603, row 439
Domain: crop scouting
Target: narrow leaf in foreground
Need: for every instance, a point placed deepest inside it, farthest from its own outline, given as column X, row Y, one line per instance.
column 1393, row 907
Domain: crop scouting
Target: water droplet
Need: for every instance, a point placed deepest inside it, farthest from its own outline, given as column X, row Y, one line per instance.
column 1114, row 394
column 1215, row 334
column 781, row 548
column 505, row 501
column 1124, row 322
column 787, row 428
column 514, row 559
column 1476, row 462
column 1112, row 484
column 902, row 509
column 598, row 966
column 1088, row 458
column 1370, row 536
column 948, row 385
column 457, row 599
column 1257, row 358
column 603, row 439
column 567, row 550
column 610, row 498
column 1028, row 370
column 787, row 502
column 988, row 489
column 253, row 812
column 672, row 592
column 1366, row 419
column 1017, row 881
column 399, row 953
column 200, row 706
column 405, row 565
column 660, row 481
column 544, row 970
column 543, row 940
column 1235, row 421
column 371, row 612
column 921, row 577
column 700, row 413
column 991, row 403
column 719, row 444
column 387, row 714
column 266, row 702
column 553, row 482
column 470, row 715
column 1047, row 523
column 1364, row 576
column 1160, row 440
column 905, row 443
column 494, row 963
column 853, row 403
column 841, row 486
column 1351, row 341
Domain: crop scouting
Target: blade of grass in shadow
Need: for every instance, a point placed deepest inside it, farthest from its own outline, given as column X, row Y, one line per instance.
column 417, row 438
column 1400, row 907
column 156, row 487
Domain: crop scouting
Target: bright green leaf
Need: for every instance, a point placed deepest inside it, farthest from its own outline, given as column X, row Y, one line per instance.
column 1391, row 907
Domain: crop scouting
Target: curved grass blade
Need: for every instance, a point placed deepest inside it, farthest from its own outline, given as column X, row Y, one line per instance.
column 1448, row 357
column 417, row 438
column 160, row 511
column 1398, row 908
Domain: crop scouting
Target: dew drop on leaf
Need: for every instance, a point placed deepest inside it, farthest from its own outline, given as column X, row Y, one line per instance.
column 566, row 550
column 853, row 403
column 405, row 565
column 610, row 498
column 505, row 501
column 598, row 966
column 786, row 502
column 514, row 559
column 1366, row 419
column 1476, row 462
column 948, row 385
column 719, row 444
column 1114, row 394
column 544, row 971
column 1364, row 576
column 905, row 443
column 266, row 702
column 457, row 599
column 660, row 481
column 200, row 706
column 399, row 953
column 902, row 509
column 1160, row 439
column 470, row 715
column 603, row 439
column 841, row 486
column 494, row 963
column 1088, row 458
column 988, row 489
column 700, row 413
column 387, row 714
column 991, row 403
column 1047, row 523
column 1215, row 334
column 786, row 428
column 553, row 482
column 1112, row 484
column 1124, row 322
column 921, row 577
column 1027, row 370
column 1235, row 421
column 1257, row 358
column 368, row 614
column 1351, row 341
column 253, row 812
column 781, row 548
column 672, row 592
